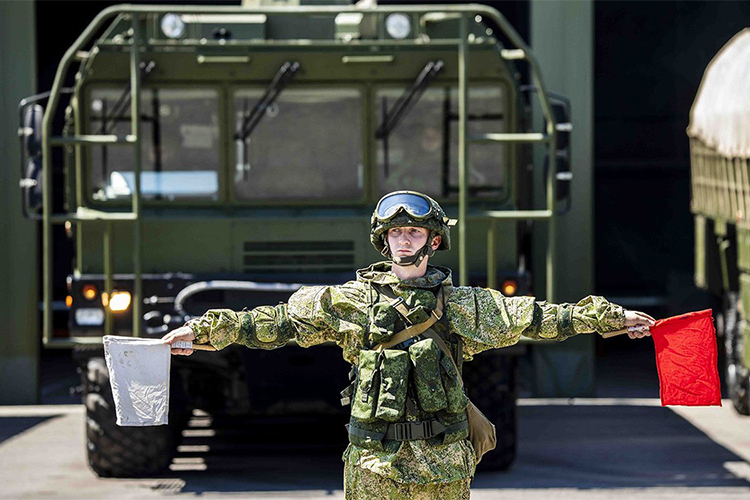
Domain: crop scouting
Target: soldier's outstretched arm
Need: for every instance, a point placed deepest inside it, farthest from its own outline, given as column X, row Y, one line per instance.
column 593, row 314
column 265, row 327
column 313, row 315
column 491, row 320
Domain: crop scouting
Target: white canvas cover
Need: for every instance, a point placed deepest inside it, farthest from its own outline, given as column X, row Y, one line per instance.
column 720, row 116
column 139, row 375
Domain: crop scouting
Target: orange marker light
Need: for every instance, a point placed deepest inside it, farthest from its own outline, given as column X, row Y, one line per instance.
column 89, row 292
column 69, row 301
column 509, row 287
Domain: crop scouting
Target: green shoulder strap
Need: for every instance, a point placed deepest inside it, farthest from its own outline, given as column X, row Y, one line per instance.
column 414, row 330
column 398, row 303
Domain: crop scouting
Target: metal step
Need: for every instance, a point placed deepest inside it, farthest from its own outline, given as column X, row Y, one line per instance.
column 92, row 139
column 503, row 137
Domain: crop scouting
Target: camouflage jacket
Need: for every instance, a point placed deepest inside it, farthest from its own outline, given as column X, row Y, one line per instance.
column 343, row 314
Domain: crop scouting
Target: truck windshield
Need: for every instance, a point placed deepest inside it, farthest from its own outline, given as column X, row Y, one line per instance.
column 307, row 147
column 422, row 151
column 179, row 144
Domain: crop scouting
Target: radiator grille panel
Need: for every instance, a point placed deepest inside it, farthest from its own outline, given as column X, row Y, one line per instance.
column 297, row 256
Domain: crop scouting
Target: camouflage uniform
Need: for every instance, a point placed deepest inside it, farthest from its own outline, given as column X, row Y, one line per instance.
column 483, row 318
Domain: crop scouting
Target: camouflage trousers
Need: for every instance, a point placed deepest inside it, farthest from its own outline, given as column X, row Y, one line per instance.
column 361, row 484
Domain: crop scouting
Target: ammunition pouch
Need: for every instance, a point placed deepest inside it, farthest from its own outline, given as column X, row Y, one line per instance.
column 457, row 400
column 380, row 394
column 383, row 322
column 419, row 314
column 394, row 377
column 365, row 399
column 425, row 356
column 380, row 390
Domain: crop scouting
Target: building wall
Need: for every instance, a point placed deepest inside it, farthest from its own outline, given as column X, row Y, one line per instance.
column 19, row 325
column 562, row 38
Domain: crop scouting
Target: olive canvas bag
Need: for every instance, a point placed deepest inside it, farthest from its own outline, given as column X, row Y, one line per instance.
column 482, row 432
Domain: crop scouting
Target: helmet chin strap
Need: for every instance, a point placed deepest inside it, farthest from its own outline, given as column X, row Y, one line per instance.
column 410, row 260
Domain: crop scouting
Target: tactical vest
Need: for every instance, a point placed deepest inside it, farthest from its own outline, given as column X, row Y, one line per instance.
column 405, row 387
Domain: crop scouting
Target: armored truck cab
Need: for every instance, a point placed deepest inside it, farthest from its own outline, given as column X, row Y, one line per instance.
column 222, row 157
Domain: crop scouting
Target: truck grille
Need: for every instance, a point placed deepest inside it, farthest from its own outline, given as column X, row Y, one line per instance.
column 297, row 256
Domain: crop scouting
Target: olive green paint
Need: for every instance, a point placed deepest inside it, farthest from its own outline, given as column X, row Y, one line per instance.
column 214, row 233
column 19, row 326
column 217, row 242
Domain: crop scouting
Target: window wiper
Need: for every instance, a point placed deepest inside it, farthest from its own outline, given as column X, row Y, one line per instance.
column 156, row 137
column 251, row 120
column 122, row 104
column 403, row 105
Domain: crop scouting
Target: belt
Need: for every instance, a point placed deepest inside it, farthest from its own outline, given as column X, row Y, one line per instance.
column 408, row 431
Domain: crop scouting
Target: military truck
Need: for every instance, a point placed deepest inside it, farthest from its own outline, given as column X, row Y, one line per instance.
column 720, row 183
column 224, row 156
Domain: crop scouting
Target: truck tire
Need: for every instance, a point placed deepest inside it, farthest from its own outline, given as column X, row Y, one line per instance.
column 491, row 385
column 737, row 374
column 115, row 451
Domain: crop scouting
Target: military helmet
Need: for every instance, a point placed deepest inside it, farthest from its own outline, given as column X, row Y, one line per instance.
column 408, row 208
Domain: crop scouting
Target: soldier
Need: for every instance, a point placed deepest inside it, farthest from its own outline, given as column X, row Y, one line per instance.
column 407, row 331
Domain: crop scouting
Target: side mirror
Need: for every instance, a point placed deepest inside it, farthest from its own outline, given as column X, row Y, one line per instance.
column 30, row 133
column 32, row 186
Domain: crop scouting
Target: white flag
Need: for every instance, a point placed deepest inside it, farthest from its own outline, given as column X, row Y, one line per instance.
column 139, row 374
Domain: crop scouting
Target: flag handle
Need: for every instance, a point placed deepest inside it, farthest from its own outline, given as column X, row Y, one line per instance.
column 203, row 347
column 620, row 332
column 615, row 333
column 196, row 347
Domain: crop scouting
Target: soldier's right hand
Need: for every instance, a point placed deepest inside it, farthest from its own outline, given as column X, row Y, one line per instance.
column 183, row 333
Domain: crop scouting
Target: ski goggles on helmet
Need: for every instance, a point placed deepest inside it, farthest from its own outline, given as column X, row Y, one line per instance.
column 413, row 204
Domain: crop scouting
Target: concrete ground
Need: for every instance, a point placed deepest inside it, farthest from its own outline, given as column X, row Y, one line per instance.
column 568, row 449
column 620, row 445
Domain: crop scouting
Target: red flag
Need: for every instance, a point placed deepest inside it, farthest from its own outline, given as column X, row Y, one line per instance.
column 686, row 359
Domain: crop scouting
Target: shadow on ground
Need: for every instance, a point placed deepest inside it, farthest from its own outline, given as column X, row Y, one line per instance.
column 11, row 426
column 612, row 447
column 597, row 447
column 560, row 446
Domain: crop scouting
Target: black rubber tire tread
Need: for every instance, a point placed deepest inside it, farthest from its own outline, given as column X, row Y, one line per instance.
column 738, row 386
column 115, row 451
column 490, row 380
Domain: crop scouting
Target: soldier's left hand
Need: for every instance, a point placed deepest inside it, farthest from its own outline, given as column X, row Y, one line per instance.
column 639, row 319
column 184, row 334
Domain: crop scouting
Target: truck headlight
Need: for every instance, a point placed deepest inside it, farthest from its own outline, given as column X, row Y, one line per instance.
column 398, row 26
column 172, row 26
column 119, row 301
column 89, row 316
